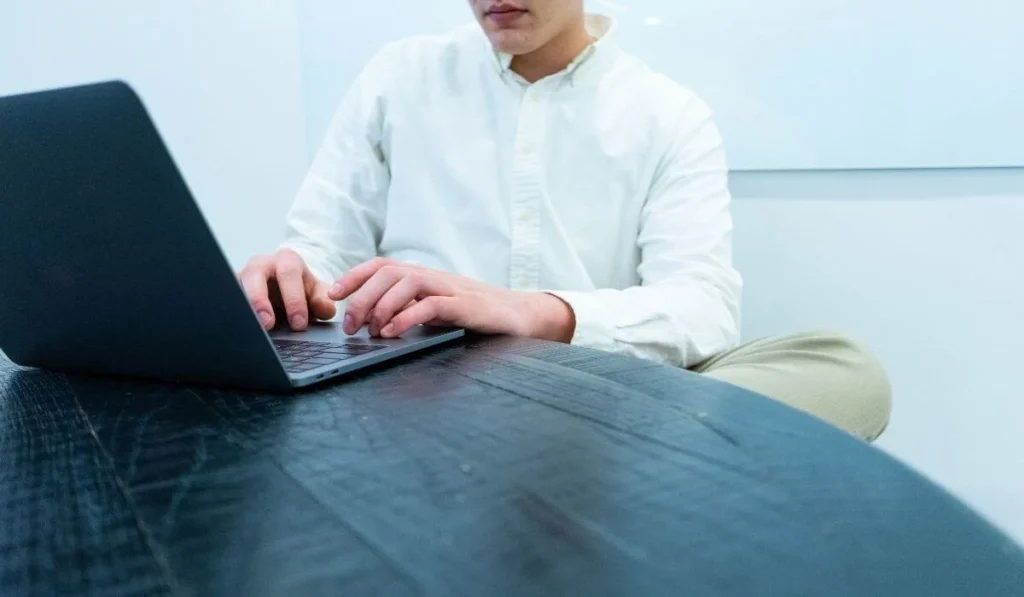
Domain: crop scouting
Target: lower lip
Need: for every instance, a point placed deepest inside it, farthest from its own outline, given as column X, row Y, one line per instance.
column 506, row 18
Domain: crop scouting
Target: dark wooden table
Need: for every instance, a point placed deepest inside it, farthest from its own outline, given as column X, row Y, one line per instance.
column 491, row 467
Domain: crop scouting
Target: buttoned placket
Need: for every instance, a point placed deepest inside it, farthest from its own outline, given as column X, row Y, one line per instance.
column 528, row 187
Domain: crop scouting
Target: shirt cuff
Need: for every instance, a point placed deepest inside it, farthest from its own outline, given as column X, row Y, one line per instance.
column 595, row 326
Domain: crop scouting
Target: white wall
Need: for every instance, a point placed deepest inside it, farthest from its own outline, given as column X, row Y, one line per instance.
column 339, row 38
column 924, row 266
column 221, row 79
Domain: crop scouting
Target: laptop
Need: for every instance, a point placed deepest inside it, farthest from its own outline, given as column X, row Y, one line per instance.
column 108, row 267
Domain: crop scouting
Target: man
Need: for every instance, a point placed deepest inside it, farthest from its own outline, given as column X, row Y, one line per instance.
column 536, row 180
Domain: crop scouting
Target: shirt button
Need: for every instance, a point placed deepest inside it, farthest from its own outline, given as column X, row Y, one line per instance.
column 525, row 216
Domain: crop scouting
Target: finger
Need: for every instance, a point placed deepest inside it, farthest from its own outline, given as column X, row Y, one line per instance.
column 365, row 299
column 412, row 285
column 293, row 293
column 254, row 281
column 320, row 305
column 356, row 277
column 433, row 309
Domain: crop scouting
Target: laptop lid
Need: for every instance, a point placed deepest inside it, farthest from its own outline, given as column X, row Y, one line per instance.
column 107, row 264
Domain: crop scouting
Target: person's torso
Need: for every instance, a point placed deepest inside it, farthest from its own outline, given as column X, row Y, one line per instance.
column 524, row 186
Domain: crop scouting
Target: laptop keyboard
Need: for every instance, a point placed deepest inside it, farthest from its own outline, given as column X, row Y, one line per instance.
column 298, row 356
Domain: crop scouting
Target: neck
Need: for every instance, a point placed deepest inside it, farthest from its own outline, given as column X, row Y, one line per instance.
column 554, row 56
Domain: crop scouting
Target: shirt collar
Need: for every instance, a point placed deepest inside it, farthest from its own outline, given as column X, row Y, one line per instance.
column 602, row 28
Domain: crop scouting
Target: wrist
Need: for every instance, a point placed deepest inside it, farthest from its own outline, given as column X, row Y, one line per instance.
column 551, row 318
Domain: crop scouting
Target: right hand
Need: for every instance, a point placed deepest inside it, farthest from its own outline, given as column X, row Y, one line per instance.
column 280, row 285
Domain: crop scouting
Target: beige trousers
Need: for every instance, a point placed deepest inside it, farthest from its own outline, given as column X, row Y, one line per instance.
column 822, row 373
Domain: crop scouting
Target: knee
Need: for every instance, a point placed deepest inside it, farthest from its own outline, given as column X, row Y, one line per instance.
column 825, row 373
column 866, row 379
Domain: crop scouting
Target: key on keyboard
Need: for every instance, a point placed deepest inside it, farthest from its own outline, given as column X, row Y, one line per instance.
column 299, row 356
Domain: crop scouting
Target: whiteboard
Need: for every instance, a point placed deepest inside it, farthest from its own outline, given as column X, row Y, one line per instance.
column 795, row 84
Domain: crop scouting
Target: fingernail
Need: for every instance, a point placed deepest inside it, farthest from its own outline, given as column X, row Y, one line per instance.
column 298, row 321
column 265, row 318
column 349, row 324
column 336, row 290
column 388, row 330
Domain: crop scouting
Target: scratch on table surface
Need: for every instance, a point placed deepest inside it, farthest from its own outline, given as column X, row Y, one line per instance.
column 147, row 535
column 185, row 483
column 359, row 420
column 583, row 524
column 137, row 443
column 222, row 401
column 702, row 420
column 620, row 429
column 392, row 563
column 332, row 407
column 117, row 422
column 534, row 366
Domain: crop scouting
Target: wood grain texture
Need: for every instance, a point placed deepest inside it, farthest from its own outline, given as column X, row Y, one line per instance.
column 496, row 466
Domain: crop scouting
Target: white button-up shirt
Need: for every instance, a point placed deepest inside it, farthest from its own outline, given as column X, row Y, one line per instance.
column 604, row 184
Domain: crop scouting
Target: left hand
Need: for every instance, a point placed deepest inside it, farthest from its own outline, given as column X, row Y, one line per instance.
column 392, row 297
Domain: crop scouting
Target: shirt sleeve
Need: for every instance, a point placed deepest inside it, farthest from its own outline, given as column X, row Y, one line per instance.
column 337, row 218
column 686, row 308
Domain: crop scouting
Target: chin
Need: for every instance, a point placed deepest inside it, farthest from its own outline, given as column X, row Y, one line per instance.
column 510, row 42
